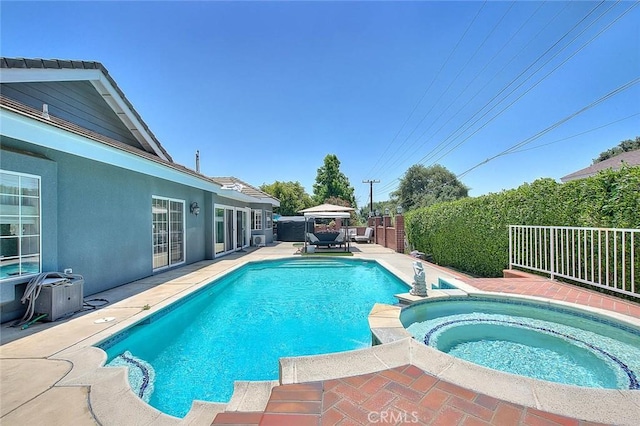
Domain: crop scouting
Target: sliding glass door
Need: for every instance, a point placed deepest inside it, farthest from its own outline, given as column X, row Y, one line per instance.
column 231, row 231
column 167, row 232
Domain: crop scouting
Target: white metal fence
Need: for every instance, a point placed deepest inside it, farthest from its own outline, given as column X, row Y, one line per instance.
column 603, row 257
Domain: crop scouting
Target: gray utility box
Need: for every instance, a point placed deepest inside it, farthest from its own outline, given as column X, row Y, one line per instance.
column 59, row 297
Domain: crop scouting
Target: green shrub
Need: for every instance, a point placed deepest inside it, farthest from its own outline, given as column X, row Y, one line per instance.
column 472, row 234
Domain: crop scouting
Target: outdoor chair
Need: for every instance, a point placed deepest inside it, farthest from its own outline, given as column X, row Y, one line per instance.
column 366, row 238
column 314, row 240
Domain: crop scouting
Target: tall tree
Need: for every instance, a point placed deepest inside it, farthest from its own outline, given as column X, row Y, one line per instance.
column 331, row 182
column 292, row 196
column 422, row 186
column 624, row 146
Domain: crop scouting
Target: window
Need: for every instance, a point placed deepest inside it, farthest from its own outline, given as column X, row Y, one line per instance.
column 256, row 220
column 19, row 224
column 269, row 222
column 168, row 232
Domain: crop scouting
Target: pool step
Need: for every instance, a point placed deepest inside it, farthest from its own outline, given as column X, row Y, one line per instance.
column 250, row 396
column 320, row 263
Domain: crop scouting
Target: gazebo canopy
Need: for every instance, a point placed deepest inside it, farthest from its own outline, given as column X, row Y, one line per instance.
column 327, row 208
column 327, row 211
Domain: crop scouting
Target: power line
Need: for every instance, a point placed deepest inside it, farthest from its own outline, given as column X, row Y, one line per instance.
column 443, row 145
column 478, row 75
column 431, row 155
column 392, row 183
column 576, row 135
column 453, row 80
column 515, row 148
column 455, row 48
column 557, row 124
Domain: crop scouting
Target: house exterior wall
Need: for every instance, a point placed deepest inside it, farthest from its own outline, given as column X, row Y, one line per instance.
column 96, row 218
column 74, row 101
column 11, row 290
column 268, row 233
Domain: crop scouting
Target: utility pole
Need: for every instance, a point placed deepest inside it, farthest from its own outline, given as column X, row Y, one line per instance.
column 371, row 182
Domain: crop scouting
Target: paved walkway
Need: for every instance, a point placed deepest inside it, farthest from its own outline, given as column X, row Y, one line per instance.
column 407, row 395
column 542, row 287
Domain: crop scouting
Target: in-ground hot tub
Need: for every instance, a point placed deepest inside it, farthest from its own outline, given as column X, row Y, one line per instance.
column 539, row 340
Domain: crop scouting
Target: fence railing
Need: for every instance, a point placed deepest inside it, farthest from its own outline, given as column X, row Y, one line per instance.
column 603, row 257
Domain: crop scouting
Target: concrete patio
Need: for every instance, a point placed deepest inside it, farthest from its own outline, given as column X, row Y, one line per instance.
column 50, row 373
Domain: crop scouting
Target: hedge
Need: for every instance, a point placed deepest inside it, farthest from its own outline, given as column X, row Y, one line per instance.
column 471, row 234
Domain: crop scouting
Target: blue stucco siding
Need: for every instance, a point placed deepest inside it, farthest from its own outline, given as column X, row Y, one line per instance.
column 11, row 290
column 96, row 218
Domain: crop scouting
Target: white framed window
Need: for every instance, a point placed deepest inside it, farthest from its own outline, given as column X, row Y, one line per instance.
column 167, row 232
column 20, row 224
column 269, row 220
column 256, row 220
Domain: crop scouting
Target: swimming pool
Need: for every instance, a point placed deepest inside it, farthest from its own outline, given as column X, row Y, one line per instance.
column 238, row 327
column 541, row 341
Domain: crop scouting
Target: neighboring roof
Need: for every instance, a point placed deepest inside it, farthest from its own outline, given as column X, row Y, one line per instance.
column 327, row 208
column 630, row 158
column 231, row 183
column 16, row 70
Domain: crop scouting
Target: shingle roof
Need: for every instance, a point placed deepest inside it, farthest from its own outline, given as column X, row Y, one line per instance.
column 28, row 63
column 234, row 183
column 630, row 158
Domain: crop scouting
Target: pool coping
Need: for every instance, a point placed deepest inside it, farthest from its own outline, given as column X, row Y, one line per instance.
column 111, row 400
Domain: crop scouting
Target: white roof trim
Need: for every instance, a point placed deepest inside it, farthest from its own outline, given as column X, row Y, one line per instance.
column 113, row 99
column 102, row 86
column 34, row 75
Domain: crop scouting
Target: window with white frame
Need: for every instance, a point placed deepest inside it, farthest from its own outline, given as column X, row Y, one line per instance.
column 168, row 232
column 256, row 220
column 20, row 224
column 269, row 220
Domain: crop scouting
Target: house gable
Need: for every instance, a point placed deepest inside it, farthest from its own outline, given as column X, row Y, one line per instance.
column 37, row 80
column 76, row 102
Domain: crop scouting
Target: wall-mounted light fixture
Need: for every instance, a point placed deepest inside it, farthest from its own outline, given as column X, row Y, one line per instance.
column 194, row 208
column 399, row 209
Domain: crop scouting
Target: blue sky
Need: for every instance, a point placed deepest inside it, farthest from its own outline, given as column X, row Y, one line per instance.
column 265, row 90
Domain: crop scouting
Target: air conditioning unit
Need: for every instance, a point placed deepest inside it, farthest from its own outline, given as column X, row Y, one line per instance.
column 258, row 240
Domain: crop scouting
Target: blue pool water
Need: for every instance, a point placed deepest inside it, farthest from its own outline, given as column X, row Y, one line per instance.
column 547, row 343
column 444, row 285
column 239, row 326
